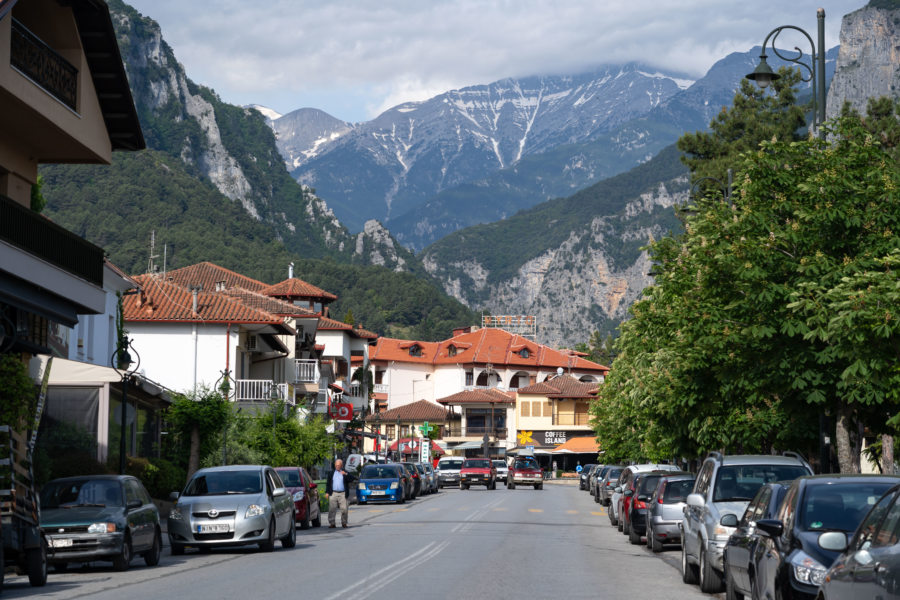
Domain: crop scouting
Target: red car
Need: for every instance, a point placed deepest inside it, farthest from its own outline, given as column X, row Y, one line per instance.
column 305, row 494
column 525, row 470
column 478, row 471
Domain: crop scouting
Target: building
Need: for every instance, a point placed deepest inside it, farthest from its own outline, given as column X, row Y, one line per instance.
column 400, row 426
column 554, row 411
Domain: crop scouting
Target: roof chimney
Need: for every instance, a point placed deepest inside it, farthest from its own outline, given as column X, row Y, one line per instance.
column 291, row 271
column 194, row 290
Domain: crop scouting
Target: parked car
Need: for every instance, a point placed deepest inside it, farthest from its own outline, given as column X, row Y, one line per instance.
column 608, row 484
column 305, row 494
column 502, row 470
column 416, row 479
column 789, row 562
column 583, row 476
column 478, row 471
column 427, row 486
column 666, row 510
column 739, row 550
column 594, row 479
column 620, row 503
column 725, row 485
column 642, row 490
column 99, row 517
column 412, row 476
column 525, row 470
column 431, row 476
column 869, row 566
column 448, row 470
column 232, row 506
column 381, row 482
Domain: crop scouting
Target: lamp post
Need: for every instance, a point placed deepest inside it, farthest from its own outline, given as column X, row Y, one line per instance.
column 377, row 435
column 224, row 385
column 763, row 75
column 124, row 365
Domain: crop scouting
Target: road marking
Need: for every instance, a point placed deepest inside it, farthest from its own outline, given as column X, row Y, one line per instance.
column 433, row 509
column 572, row 512
column 466, row 523
column 597, row 514
column 536, row 510
column 502, row 508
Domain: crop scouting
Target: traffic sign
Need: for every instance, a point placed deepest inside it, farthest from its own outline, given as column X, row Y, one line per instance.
column 342, row 411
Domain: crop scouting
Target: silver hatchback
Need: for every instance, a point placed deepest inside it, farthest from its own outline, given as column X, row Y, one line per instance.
column 232, row 506
column 666, row 509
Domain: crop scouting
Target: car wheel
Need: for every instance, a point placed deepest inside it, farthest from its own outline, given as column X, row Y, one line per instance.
column 151, row 556
column 539, row 486
column 269, row 544
column 290, row 540
column 688, row 571
column 362, row 501
column 36, row 565
column 626, row 526
column 317, row 522
column 655, row 544
column 730, row 592
column 633, row 536
column 176, row 549
column 511, row 485
column 612, row 519
column 463, row 487
column 648, row 536
column 596, row 499
column 123, row 560
column 304, row 524
column 710, row 580
column 620, row 524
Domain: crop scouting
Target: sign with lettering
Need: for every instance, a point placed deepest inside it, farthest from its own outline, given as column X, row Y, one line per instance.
column 425, row 455
column 545, row 439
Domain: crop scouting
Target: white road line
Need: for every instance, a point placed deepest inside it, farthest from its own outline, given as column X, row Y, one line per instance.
column 374, row 575
column 400, row 572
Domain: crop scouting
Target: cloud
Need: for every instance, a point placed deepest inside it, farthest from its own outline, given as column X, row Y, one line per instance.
column 383, row 53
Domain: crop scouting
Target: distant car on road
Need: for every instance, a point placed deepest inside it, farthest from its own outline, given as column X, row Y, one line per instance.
column 502, row 469
column 448, row 470
column 525, row 470
column 232, row 506
column 381, row 483
column 100, row 517
column 607, row 485
column 666, row 509
column 478, row 471
column 584, row 475
column 305, row 494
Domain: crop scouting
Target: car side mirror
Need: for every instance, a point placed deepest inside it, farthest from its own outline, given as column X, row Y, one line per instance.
column 833, row 540
column 618, row 489
column 312, row 486
column 628, row 493
column 134, row 504
column 174, row 496
column 277, row 492
column 729, row 520
column 696, row 501
column 771, row 527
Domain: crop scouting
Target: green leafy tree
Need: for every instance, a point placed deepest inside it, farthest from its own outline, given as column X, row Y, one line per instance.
column 197, row 424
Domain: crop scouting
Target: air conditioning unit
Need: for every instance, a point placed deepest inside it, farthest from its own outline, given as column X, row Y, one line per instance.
column 253, row 343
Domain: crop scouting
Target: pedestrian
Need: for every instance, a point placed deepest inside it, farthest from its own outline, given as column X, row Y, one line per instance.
column 337, row 490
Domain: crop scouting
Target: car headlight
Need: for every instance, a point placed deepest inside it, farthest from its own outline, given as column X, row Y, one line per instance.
column 298, row 495
column 101, row 528
column 254, row 510
column 807, row 569
column 362, row 486
column 175, row 514
column 395, row 485
column 723, row 533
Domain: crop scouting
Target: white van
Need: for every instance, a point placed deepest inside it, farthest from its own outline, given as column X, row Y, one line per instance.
column 447, row 470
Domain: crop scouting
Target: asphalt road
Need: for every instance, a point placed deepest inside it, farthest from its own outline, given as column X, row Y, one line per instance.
column 550, row 543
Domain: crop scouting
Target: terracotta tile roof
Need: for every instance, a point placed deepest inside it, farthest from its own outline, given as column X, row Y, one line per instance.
column 332, row 324
column 297, row 288
column 422, row 410
column 162, row 300
column 267, row 303
column 495, row 346
column 564, row 386
column 580, row 445
column 479, row 396
column 207, row 275
column 329, row 324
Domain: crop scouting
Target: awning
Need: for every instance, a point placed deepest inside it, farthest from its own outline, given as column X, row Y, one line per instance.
column 470, row 446
column 579, row 445
column 536, row 451
column 411, row 446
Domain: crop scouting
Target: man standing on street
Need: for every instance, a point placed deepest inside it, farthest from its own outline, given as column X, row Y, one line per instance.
column 337, row 490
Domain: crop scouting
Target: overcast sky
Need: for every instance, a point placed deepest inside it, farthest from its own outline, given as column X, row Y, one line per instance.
column 356, row 58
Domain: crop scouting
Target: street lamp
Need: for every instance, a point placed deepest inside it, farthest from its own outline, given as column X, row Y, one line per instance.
column 224, row 385
column 763, row 75
column 125, row 366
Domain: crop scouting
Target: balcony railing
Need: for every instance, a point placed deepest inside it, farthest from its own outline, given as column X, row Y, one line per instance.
column 382, row 388
column 306, row 370
column 460, row 431
column 259, row 390
column 571, row 419
column 40, row 63
column 37, row 235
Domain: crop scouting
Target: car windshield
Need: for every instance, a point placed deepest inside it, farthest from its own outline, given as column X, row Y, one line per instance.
column 613, row 474
column 450, row 464
column 526, row 463
column 291, row 477
column 215, row 483
column 839, row 506
column 677, row 491
column 81, row 492
column 380, row 472
column 741, row 482
column 499, row 464
column 477, row 464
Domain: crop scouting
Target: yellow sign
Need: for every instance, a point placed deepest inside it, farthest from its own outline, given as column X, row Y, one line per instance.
column 525, row 437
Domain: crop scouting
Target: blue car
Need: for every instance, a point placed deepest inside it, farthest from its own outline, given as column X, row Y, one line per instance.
column 382, row 483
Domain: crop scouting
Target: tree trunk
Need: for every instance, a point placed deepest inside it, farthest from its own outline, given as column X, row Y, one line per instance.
column 194, row 455
column 887, row 454
column 847, row 451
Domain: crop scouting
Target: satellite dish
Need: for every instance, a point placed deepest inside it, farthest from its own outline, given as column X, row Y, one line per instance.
column 559, row 371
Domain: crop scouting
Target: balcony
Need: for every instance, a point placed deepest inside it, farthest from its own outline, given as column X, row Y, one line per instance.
column 306, row 370
column 382, row 388
column 572, row 419
column 41, row 64
column 260, row 390
column 498, row 433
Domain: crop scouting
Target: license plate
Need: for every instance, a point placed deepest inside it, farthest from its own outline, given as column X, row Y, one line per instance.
column 61, row 543
column 377, row 492
column 214, row 528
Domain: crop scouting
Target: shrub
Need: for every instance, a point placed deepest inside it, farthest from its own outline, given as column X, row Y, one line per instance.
column 160, row 476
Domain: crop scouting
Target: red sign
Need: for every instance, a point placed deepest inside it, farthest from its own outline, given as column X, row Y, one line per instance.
column 342, row 411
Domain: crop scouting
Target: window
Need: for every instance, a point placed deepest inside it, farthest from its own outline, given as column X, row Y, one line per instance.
column 470, row 378
column 524, row 353
column 451, row 350
column 132, row 496
column 548, row 410
column 415, row 350
column 389, row 431
column 866, row 533
column 526, row 409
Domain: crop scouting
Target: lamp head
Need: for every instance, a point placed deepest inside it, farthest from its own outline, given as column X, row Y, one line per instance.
column 124, row 358
column 763, row 75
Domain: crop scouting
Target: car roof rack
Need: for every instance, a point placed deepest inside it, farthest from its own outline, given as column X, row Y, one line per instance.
column 716, row 455
column 799, row 457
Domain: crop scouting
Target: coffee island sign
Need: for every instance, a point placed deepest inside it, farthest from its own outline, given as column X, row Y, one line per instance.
column 543, row 438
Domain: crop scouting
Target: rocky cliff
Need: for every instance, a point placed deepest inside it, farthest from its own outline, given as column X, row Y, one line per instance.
column 868, row 64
